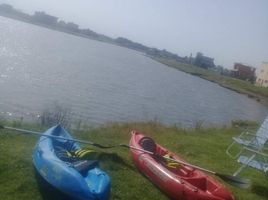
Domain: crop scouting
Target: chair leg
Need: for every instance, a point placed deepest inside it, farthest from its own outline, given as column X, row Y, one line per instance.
column 244, row 165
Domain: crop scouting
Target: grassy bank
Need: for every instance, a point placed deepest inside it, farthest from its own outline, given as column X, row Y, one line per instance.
column 204, row 147
column 240, row 86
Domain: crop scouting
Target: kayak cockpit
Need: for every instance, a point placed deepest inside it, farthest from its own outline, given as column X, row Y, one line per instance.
column 168, row 171
column 79, row 178
column 188, row 174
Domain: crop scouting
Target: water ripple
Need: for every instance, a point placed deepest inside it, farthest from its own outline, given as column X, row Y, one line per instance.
column 102, row 83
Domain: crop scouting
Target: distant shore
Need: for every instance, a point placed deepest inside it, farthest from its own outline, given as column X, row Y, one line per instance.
column 243, row 87
column 55, row 28
column 40, row 18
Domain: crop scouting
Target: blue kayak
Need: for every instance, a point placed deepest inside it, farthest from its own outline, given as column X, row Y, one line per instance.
column 80, row 179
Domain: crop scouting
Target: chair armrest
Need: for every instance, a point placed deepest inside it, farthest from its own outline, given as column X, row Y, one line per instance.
column 257, row 152
column 241, row 141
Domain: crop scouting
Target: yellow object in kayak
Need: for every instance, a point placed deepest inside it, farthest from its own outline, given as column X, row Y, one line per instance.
column 170, row 163
column 85, row 154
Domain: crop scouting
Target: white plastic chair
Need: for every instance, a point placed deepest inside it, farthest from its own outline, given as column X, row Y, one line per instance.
column 251, row 149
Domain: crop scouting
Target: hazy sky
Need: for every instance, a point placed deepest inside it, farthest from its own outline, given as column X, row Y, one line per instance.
column 228, row 30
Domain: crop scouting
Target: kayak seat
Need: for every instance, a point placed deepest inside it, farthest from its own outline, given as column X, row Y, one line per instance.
column 64, row 155
column 188, row 171
column 65, row 144
column 148, row 144
column 83, row 166
column 200, row 183
column 80, row 164
column 72, row 156
column 69, row 145
column 184, row 172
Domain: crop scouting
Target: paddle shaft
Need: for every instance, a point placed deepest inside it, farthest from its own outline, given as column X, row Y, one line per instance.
column 101, row 146
column 242, row 183
column 52, row 136
column 235, row 181
column 171, row 159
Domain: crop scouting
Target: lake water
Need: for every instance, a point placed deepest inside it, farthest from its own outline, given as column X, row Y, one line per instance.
column 103, row 83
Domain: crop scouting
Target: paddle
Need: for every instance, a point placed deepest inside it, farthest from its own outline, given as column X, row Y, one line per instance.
column 56, row 137
column 232, row 180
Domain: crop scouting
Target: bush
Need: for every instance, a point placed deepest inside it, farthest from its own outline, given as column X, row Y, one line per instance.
column 56, row 114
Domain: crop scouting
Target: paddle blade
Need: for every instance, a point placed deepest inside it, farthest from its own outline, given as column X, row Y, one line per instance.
column 235, row 181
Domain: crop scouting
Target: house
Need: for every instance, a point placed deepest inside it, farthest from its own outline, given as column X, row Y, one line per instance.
column 203, row 61
column 243, row 72
column 262, row 76
column 72, row 26
column 44, row 18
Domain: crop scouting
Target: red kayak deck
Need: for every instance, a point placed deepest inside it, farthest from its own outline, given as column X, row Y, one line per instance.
column 182, row 182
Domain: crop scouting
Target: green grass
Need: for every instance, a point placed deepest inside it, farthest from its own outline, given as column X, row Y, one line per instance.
column 245, row 87
column 204, row 147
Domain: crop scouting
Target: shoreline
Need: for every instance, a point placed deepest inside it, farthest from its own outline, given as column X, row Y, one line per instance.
column 214, row 79
column 55, row 28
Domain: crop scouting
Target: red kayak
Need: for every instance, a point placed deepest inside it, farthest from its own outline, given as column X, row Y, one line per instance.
column 177, row 181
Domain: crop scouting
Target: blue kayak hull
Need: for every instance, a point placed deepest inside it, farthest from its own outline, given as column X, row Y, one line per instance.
column 92, row 184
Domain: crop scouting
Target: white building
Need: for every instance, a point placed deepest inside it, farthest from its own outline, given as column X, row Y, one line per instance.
column 262, row 76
